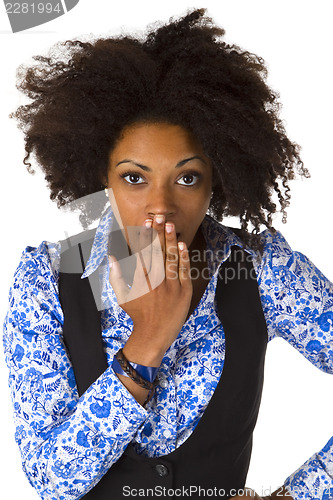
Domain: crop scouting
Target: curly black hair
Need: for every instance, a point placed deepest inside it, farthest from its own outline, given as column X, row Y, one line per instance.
column 183, row 73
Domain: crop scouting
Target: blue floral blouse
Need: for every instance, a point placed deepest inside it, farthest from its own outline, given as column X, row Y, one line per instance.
column 67, row 442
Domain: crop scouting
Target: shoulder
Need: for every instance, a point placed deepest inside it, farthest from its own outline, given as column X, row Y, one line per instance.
column 275, row 254
column 38, row 264
column 285, row 267
column 274, row 245
column 34, row 290
column 278, row 252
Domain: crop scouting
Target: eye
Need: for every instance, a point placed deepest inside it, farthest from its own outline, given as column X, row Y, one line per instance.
column 189, row 179
column 132, row 178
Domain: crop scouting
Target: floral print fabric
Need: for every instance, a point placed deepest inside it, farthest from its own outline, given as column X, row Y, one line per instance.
column 68, row 442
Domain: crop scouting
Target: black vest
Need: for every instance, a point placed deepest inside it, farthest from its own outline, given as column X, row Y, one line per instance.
column 217, row 454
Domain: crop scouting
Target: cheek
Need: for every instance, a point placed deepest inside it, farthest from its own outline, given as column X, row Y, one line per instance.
column 196, row 214
column 126, row 213
column 126, row 208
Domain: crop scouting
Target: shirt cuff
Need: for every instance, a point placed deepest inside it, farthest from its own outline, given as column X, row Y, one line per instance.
column 109, row 407
column 313, row 480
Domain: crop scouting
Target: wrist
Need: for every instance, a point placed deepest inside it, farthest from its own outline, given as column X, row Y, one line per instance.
column 146, row 372
column 143, row 348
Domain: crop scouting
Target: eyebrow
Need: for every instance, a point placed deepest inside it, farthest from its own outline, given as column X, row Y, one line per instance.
column 148, row 169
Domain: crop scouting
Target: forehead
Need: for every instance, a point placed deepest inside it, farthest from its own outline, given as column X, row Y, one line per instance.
column 156, row 139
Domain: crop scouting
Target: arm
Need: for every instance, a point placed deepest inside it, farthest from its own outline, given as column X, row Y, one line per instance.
column 298, row 305
column 158, row 310
column 67, row 443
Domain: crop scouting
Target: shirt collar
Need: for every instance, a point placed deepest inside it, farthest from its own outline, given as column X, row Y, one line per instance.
column 99, row 248
column 219, row 241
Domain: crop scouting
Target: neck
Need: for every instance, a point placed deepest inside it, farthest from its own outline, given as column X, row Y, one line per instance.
column 197, row 249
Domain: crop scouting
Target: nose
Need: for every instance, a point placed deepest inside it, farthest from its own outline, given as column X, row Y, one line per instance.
column 161, row 201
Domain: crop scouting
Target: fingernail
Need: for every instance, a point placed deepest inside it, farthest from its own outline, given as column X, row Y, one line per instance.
column 181, row 245
column 168, row 228
column 159, row 219
column 148, row 223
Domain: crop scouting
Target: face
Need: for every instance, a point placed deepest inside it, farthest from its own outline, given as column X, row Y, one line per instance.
column 160, row 168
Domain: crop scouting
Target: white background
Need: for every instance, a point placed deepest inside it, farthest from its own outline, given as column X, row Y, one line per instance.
column 294, row 38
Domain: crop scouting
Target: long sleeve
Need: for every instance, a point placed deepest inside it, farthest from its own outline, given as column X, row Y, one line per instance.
column 67, row 443
column 298, row 305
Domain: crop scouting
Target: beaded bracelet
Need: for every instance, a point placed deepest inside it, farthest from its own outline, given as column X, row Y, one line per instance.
column 133, row 374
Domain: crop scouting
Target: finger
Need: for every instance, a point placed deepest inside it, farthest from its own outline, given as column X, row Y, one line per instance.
column 145, row 244
column 158, row 226
column 184, row 268
column 116, row 280
column 157, row 271
column 171, row 252
column 141, row 284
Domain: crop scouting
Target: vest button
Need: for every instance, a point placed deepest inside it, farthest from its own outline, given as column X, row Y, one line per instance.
column 161, row 470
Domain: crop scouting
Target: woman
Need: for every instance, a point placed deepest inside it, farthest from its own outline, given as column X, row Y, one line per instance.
column 172, row 126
